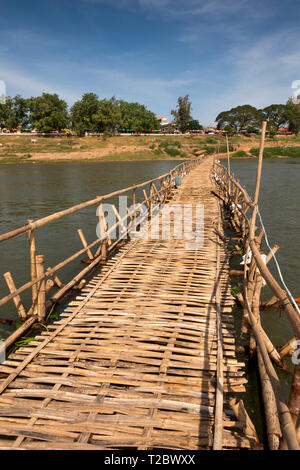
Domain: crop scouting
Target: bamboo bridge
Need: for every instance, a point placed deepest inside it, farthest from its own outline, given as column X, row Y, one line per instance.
column 144, row 356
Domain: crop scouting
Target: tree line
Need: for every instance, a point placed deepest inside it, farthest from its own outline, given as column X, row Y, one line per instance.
column 48, row 113
column 248, row 118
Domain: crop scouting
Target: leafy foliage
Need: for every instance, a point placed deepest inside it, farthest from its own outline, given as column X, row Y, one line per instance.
column 284, row 151
column 48, row 112
column 275, row 115
column 240, row 154
column 293, row 116
column 182, row 113
column 240, row 117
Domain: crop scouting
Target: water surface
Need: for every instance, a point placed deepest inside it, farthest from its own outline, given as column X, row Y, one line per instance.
column 33, row 191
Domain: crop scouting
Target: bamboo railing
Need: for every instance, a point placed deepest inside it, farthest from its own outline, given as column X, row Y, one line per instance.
column 43, row 279
column 281, row 418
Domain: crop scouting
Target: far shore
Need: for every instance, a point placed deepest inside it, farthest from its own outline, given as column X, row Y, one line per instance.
column 23, row 149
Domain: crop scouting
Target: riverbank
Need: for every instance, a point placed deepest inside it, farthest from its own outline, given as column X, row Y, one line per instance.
column 27, row 149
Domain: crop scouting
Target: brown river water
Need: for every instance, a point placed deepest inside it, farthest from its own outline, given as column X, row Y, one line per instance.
column 33, row 191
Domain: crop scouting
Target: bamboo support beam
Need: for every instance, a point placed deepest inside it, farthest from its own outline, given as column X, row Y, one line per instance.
column 294, row 402
column 103, row 225
column 17, row 299
column 33, row 273
column 84, row 243
column 242, row 416
column 288, row 428
column 218, row 427
column 288, row 348
column 277, row 290
column 57, row 281
column 228, row 157
column 41, row 300
column 272, row 420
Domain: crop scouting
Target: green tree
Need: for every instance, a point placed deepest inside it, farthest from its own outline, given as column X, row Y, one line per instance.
column 108, row 116
column 240, row 117
column 182, row 113
column 194, row 125
column 293, row 115
column 14, row 112
column 84, row 112
column 137, row 117
column 275, row 115
column 5, row 110
column 48, row 113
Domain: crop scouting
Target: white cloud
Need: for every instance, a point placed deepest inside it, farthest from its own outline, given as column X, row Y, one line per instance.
column 27, row 84
column 262, row 74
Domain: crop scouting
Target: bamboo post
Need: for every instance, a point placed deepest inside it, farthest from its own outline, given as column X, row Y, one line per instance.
column 41, row 303
column 272, row 420
column 104, row 250
column 288, row 428
column 242, row 416
column 294, row 402
column 157, row 193
column 228, row 157
column 134, row 204
column 49, row 284
column 119, row 217
column 277, row 290
column 219, row 403
column 103, row 224
column 57, row 281
column 32, row 252
column 84, row 243
column 289, row 347
column 150, row 199
column 17, row 299
column 259, row 165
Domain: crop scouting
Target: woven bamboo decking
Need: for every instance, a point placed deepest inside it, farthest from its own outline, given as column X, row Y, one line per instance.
column 132, row 361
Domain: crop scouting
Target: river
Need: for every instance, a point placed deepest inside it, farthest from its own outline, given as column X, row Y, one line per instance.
column 36, row 190
column 33, row 191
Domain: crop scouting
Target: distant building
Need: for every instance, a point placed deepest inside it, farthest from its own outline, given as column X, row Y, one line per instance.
column 163, row 120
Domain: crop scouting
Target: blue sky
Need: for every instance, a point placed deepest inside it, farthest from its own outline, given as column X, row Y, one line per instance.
column 222, row 53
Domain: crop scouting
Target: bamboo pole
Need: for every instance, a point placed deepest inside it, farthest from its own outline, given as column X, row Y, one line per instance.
column 32, row 253
column 57, row 281
column 228, row 157
column 84, row 243
column 133, row 204
column 116, row 212
column 275, row 287
column 150, row 199
column 288, row 348
column 242, row 416
column 288, row 428
column 17, row 299
column 294, row 400
column 259, row 165
column 41, row 304
column 218, row 425
column 272, row 420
